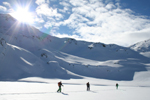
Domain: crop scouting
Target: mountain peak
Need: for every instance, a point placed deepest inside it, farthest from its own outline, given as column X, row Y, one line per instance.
column 142, row 46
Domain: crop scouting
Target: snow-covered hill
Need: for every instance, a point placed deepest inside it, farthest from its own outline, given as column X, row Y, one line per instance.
column 27, row 52
column 142, row 47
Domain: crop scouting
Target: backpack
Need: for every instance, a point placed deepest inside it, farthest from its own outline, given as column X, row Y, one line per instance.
column 59, row 83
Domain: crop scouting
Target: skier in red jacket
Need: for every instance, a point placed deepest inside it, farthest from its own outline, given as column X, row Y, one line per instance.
column 59, row 85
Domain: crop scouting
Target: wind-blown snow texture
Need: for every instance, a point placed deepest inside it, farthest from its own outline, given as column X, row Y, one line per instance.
column 27, row 52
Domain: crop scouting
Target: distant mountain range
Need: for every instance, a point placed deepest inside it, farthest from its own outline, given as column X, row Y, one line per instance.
column 27, row 52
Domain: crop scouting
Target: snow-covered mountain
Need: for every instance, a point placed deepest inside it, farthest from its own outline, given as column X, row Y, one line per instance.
column 27, row 52
column 142, row 47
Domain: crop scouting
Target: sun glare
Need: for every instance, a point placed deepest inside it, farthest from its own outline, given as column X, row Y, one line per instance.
column 23, row 15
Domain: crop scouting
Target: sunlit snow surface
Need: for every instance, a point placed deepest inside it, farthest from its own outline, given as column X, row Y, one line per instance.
column 74, row 89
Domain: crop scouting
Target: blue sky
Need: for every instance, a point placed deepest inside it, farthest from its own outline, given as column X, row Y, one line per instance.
column 122, row 22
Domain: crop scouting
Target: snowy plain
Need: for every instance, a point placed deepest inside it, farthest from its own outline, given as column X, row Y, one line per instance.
column 32, row 63
column 74, row 89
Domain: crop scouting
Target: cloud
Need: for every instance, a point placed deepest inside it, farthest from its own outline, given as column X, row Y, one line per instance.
column 3, row 9
column 99, row 22
column 44, row 9
column 77, row 3
column 39, row 2
column 110, row 6
column 47, row 16
column 130, row 38
column 39, row 20
column 7, row 4
column 66, row 7
column 66, row 4
column 7, row 8
column 64, row 10
column 95, row 21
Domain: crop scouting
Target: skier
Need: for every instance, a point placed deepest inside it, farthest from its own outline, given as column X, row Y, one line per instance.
column 59, row 85
column 117, row 85
column 88, row 86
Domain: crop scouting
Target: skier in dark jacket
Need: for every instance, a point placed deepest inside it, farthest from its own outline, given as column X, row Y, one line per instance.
column 117, row 85
column 88, row 86
column 59, row 85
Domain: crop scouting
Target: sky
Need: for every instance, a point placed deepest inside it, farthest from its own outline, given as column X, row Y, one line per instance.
column 122, row 22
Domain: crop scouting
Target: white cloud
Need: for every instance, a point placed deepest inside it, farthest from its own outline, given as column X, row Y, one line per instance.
column 48, row 16
column 95, row 21
column 82, row 10
column 65, row 10
column 66, row 4
column 39, row 20
column 44, row 9
column 75, row 21
column 2, row 8
column 78, row 2
column 39, row 2
column 110, row 6
column 7, row 4
column 10, row 10
column 48, row 24
column 64, row 35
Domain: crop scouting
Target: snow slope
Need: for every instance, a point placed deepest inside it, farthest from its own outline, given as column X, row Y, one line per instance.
column 27, row 52
column 142, row 47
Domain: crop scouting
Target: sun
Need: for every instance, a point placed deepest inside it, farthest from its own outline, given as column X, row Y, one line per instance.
column 23, row 15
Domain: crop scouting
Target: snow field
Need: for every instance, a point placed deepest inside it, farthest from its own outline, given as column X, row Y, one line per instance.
column 72, row 90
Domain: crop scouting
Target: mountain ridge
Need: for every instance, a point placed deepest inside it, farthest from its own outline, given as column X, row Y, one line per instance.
column 27, row 52
column 142, row 47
